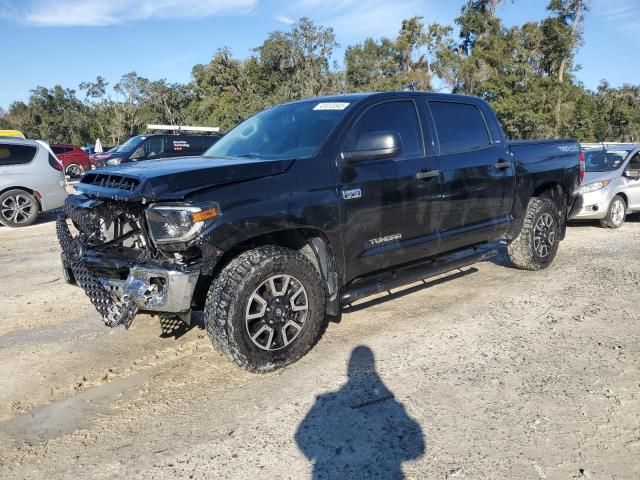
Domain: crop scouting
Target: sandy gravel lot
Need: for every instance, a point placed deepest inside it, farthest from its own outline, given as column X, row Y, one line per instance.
column 488, row 373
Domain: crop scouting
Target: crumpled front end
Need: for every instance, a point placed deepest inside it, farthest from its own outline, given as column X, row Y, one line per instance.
column 107, row 251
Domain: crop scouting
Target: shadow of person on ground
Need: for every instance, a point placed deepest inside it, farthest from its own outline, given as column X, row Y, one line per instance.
column 361, row 430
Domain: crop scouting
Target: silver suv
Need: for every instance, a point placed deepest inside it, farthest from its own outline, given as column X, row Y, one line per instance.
column 31, row 181
column 611, row 187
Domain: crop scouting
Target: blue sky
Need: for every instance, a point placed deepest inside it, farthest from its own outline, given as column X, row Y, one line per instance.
column 48, row 42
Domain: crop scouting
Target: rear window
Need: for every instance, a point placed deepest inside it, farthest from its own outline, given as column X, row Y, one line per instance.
column 16, row 154
column 460, row 127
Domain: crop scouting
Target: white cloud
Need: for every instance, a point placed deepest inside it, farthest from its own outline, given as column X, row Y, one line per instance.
column 621, row 14
column 284, row 19
column 66, row 13
column 355, row 19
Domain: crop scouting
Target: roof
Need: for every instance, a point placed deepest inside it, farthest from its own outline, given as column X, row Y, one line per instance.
column 359, row 96
column 21, row 141
column 609, row 146
column 11, row 133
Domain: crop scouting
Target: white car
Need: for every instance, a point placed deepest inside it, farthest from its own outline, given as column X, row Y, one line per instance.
column 611, row 187
column 31, row 181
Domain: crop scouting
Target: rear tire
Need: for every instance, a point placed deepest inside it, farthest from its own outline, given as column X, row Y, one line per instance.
column 74, row 170
column 536, row 245
column 18, row 208
column 266, row 308
column 616, row 214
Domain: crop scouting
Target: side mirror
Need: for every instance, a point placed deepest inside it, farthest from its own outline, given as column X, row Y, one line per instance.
column 632, row 173
column 375, row 146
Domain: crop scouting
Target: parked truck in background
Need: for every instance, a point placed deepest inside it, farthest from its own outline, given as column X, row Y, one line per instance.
column 312, row 205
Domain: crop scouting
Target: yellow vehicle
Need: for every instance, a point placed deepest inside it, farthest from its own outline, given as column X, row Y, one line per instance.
column 11, row 133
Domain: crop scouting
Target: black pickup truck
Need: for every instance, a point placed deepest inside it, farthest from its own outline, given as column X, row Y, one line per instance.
column 310, row 206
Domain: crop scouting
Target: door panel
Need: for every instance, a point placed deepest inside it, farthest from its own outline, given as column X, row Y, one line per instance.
column 390, row 215
column 476, row 197
column 477, row 177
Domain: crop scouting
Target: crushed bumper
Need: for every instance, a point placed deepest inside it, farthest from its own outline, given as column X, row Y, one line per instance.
column 160, row 290
column 121, row 280
column 150, row 288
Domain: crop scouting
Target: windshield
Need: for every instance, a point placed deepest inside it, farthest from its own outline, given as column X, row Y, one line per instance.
column 285, row 132
column 130, row 145
column 605, row 161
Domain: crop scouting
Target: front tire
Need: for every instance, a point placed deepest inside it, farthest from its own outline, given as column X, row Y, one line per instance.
column 18, row 208
column 536, row 245
column 616, row 213
column 266, row 308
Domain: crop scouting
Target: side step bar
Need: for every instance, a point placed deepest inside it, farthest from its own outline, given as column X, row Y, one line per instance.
column 416, row 272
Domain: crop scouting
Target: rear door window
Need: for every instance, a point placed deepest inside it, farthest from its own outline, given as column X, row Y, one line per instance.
column 460, row 126
column 16, row 154
column 58, row 150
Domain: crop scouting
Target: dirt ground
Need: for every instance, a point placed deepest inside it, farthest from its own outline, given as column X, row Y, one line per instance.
column 485, row 373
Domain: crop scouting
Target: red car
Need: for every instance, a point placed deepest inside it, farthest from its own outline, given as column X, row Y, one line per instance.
column 74, row 159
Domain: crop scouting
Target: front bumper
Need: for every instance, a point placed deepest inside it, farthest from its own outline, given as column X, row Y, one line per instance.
column 111, row 260
column 149, row 287
column 594, row 205
column 160, row 290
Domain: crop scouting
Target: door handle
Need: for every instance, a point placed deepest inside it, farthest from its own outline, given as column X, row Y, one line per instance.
column 426, row 174
column 502, row 164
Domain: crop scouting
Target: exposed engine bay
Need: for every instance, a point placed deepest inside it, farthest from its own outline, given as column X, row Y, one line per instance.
column 107, row 252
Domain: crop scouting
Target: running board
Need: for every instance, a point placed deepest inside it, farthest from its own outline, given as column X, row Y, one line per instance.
column 413, row 273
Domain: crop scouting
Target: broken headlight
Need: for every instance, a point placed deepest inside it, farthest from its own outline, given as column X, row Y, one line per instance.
column 177, row 222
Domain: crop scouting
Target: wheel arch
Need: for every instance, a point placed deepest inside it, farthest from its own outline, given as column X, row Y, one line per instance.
column 555, row 192
column 310, row 242
column 624, row 197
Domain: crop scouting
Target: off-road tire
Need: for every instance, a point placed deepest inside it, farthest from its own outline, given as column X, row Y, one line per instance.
column 609, row 221
column 227, row 300
column 24, row 194
column 521, row 250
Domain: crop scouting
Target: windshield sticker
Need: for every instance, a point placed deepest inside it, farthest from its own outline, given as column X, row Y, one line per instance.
column 331, row 106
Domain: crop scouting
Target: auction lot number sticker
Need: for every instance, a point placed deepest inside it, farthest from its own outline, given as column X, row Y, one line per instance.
column 331, row 106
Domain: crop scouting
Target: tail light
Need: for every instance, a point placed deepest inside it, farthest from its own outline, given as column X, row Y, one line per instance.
column 583, row 165
column 55, row 163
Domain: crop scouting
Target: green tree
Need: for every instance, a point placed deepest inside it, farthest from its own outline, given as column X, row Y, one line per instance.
column 54, row 114
column 401, row 63
column 297, row 63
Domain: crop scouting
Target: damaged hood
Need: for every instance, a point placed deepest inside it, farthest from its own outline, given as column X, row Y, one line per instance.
column 174, row 178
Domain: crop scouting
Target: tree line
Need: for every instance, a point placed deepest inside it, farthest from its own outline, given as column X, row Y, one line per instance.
column 526, row 72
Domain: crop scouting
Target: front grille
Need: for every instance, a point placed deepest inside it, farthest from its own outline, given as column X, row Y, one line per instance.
column 115, row 182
